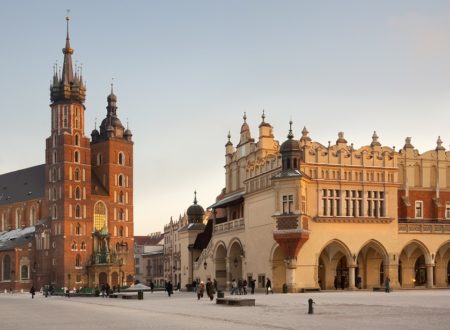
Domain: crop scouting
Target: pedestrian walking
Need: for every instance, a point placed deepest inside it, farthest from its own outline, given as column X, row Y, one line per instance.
column 387, row 284
column 342, row 282
column 244, row 286
column 200, row 289
column 169, row 288
column 215, row 284
column 269, row 286
column 152, row 286
column 335, row 282
column 32, row 291
column 253, row 285
column 210, row 289
column 234, row 286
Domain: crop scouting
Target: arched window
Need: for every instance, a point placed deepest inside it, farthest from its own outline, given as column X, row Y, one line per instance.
column 6, row 268
column 54, row 140
column 24, row 272
column 121, row 197
column 77, row 139
column 54, row 175
column 74, row 246
column 77, row 211
column 77, row 117
column 78, row 229
column 78, row 261
column 83, row 246
column 121, row 214
column 66, row 117
column 121, row 158
column 77, row 174
column 121, row 231
column 55, row 157
column 99, row 215
column 76, row 156
column 99, row 159
column 54, row 212
column 77, row 193
column 120, row 180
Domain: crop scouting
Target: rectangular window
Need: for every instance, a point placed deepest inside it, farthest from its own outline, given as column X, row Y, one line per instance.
column 419, row 209
column 261, row 281
column 447, row 210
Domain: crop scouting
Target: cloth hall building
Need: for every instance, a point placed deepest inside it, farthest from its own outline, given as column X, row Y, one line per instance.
column 306, row 214
column 69, row 222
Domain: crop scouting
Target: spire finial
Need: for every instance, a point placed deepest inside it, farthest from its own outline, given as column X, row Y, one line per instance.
column 67, row 22
column 290, row 135
column 195, row 196
column 112, row 85
column 263, row 116
column 229, row 136
column 245, row 117
column 127, row 122
column 95, row 123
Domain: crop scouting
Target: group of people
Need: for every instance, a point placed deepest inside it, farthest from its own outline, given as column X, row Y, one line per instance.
column 211, row 288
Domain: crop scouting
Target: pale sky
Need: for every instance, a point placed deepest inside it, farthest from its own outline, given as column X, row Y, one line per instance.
column 185, row 71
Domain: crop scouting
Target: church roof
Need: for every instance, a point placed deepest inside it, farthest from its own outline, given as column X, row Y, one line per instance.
column 22, row 185
column 15, row 238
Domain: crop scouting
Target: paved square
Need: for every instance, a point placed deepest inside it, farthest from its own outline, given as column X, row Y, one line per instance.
column 426, row 309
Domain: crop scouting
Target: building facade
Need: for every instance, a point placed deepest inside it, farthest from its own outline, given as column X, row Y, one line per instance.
column 308, row 215
column 81, row 213
column 146, row 248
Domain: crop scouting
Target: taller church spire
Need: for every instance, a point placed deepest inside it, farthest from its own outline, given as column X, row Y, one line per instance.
column 69, row 85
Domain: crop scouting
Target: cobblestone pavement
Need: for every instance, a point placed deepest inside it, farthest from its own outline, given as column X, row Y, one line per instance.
column 407, row 309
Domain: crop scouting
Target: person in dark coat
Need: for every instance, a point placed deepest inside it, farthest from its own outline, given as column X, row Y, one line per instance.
column 269, row 286
column 210, row 289
column 335, row 282
column 342, row 282
column 169, row 288
column 387, row 284
column 33, row 292
column 253, row 285
column 152, row 286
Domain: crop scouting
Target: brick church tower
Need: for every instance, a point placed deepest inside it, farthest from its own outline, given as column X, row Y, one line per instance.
column 89, row 201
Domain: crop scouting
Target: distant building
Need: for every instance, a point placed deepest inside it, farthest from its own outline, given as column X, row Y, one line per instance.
column 172, row 248
column 145, row 246
column 69, row 222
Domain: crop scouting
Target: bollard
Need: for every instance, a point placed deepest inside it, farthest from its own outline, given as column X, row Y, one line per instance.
column 310, row 306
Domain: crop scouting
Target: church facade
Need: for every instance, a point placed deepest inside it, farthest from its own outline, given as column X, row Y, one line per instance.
column 73, row 215
column 308, row 215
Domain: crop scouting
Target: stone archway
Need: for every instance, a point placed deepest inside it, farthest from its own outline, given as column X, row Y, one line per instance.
column 220, row 260
column 442, row 268
column 372, row 265
column 416, row 266
column 333, row 262
column 278, row 269
column 235, row 260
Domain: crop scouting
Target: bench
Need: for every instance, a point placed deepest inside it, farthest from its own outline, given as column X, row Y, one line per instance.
column 303, row 290
column 124, row 295
column 235, row 302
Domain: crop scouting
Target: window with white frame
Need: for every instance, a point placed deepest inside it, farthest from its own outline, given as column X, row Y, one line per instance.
column 419, row 209
column 288, row 204
column 331, row 202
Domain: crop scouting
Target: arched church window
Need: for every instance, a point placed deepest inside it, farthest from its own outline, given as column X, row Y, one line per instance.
column 121, row 231
column 77, row 211
column 121, row 159
column 83, row 246
column 24, row 272
column 77, row 117
column 77, row 140
column 54, row 212
column 77, row 174
column 54, row 193
column 77, row 156
column 99, row 159
column 121, row 197
column 66, row 117
column 78, row 261
column 99, row 215
column 74, row 246
column 55, row 158
column 120, row 180
column 78, row 229
column 77, row 193
column 121, row 214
